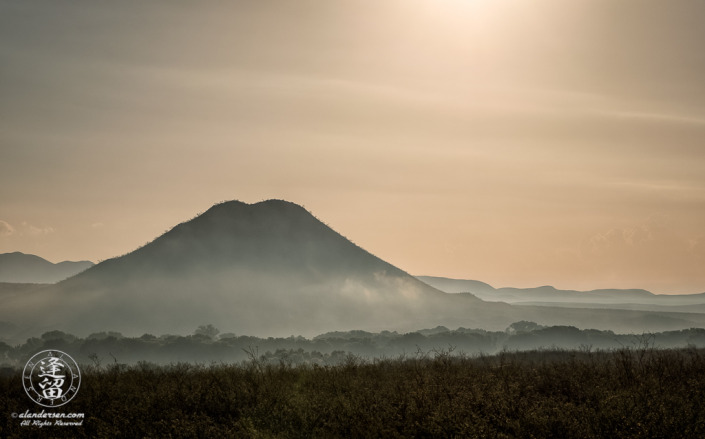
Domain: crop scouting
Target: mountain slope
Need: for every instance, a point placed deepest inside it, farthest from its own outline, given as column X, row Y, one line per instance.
column 23, row 268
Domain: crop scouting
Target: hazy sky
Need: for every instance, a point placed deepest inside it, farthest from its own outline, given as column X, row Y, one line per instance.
column 520, row 143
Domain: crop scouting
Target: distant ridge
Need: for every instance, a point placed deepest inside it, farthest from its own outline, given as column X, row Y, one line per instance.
column 25, row 268
column 548, row 295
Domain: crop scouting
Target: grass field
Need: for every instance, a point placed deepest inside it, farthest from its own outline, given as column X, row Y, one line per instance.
column 538, row 394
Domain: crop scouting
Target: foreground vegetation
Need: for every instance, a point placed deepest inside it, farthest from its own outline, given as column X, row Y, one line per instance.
column 562, row 394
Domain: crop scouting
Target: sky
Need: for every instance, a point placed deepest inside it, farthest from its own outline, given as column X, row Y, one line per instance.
column 517, row 142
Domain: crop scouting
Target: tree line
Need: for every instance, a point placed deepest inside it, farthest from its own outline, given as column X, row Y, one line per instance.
column 207, row 344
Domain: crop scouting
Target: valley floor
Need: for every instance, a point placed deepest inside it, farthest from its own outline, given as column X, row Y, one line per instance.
column 562, row 394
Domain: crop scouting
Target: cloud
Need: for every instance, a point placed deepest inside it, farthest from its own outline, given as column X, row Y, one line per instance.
column 617, row 240
column 657, row 235
column 660, row 253
column 30, row 230
column 6, row 229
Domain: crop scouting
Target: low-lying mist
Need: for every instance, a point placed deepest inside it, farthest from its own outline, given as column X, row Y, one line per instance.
column 207, row 344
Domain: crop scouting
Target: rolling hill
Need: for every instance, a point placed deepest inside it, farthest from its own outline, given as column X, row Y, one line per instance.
column 550, row 296
column 23, row 268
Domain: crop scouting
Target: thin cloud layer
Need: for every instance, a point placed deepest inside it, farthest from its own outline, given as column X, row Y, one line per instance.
column 6, row 229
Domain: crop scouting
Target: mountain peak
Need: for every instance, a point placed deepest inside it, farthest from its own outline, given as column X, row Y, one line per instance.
column 274, row 236
column 266, row 207
column 235, row 223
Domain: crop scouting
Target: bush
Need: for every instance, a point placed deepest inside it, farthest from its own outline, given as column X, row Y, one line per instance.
column 562, row 394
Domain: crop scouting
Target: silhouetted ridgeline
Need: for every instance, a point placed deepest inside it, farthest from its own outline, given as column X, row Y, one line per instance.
column 206, row 345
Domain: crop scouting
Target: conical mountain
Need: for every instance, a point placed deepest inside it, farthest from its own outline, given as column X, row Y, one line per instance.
column 274, row 236
column 268, row 268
